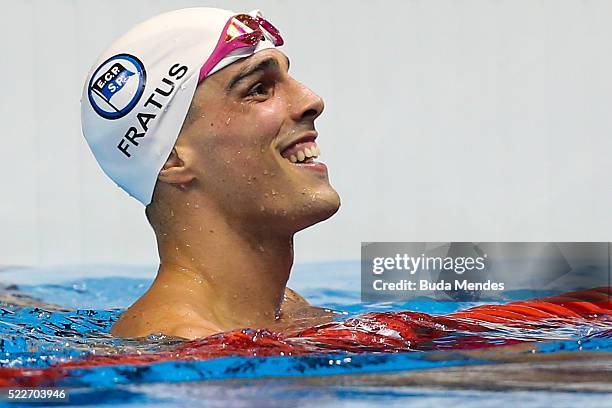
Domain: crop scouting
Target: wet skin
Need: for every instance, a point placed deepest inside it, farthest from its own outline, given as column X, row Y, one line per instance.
column 228, row 202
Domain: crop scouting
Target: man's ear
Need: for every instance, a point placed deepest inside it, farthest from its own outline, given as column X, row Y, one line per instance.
column 175, row 171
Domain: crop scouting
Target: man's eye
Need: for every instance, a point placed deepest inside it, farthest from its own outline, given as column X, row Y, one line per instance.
column 257, row 90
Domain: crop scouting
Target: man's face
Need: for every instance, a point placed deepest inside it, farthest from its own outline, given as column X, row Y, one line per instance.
column 247, row 140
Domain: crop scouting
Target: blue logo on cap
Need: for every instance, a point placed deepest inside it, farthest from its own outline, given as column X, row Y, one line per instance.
column 117, row 86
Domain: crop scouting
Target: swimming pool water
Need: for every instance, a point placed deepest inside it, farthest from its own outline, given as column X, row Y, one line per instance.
column 41, row 337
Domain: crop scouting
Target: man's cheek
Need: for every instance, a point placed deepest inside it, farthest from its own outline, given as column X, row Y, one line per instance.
column 269, row 119
column 241, row 169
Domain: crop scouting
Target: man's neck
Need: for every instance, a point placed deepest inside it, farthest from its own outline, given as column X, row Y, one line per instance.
column 234, row 275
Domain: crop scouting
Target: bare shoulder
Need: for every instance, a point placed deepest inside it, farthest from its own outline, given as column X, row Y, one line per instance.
column 292, row 296
column 297, row 311
column 191, row 331
column 171, row 320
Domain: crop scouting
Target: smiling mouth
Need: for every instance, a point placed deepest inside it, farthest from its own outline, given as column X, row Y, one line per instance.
column 302, row 153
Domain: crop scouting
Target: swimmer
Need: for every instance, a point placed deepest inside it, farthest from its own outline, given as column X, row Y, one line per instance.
column 194, row 114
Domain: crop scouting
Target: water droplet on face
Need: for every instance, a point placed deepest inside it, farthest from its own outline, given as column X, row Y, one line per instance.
column 274, row 193
column 265, row 172
column 262, row 208
column 227, row 122
column 261, row 249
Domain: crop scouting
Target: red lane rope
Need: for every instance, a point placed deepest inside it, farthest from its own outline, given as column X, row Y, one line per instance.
column 375, row 331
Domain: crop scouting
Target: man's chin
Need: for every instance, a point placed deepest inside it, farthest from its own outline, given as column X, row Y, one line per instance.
column 322, row 206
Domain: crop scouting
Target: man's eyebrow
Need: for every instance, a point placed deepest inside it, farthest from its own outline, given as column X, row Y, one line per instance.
column 265, row 64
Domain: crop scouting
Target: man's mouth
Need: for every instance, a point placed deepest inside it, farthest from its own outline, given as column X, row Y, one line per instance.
column 301, row 152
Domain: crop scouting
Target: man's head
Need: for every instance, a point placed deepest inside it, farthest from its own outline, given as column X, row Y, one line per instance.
column 238, row 143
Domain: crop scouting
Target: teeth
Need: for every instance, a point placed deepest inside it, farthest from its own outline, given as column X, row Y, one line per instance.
column 302, row 155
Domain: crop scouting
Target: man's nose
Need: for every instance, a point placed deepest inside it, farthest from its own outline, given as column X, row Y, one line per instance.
column 306, row 105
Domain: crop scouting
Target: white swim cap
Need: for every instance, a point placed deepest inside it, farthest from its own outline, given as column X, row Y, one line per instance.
column 138, row 93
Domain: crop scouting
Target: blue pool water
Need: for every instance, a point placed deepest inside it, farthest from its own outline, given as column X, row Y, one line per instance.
column 36, row 337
